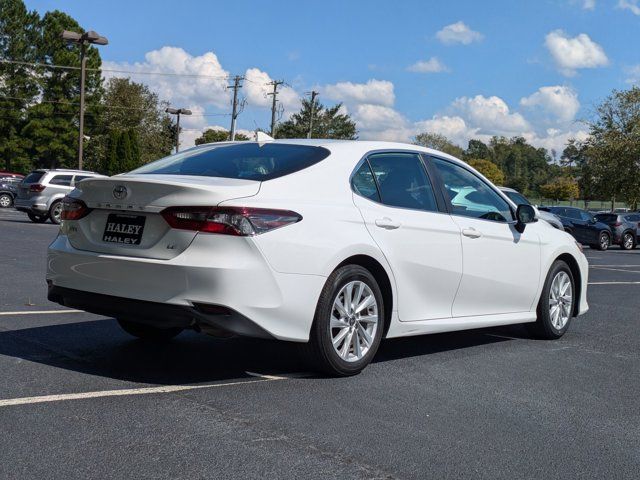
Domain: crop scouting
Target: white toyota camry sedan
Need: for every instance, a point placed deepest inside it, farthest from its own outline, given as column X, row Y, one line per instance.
column 332, row 244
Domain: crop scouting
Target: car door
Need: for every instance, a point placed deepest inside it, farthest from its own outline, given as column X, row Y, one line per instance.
column 421, row 242
column 501, row 267
column 583, row 229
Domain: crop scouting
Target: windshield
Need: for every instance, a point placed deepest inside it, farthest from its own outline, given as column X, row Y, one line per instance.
column 517, row 198
column 249, row 160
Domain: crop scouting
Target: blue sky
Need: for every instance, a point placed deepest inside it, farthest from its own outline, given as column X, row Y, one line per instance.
column 533, row 68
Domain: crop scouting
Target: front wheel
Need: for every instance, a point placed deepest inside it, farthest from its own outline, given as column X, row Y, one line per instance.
column 55, row 212
column 36, row 218
column 348, row 324
column 148, row 332
column 6, row 200
column 556, row 304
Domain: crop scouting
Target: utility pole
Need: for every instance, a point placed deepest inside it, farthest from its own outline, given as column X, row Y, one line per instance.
column 178, row 112
column 83, row 39
column 234, row 112
column 276, row 84
column 314, row 94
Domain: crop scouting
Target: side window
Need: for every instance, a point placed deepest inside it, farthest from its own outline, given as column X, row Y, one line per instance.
column 63, row 180
column 403, row 181
column 562, row 212
column 573, row 213
column 469, row 196
column 586, row 216
column 364, row 184
column 78, row 178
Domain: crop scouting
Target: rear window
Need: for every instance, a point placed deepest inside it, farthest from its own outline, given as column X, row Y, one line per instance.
column 607, row 217
column 63, row 180
column 250, row 161
column 33, row 177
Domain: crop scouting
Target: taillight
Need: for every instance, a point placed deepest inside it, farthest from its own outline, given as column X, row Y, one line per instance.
column 73, row 209
column 239, row 221
column 36, row 187
column 617, row 224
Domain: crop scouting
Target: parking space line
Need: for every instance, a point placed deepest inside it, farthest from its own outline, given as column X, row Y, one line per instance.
column 39, row 312
column 614, row 283
column 131, row 391
column 617, row 270
column 618, row 266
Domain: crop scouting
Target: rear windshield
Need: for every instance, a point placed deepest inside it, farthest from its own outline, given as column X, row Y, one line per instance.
column 33, row 177
column 251, row 161
column 607, row 217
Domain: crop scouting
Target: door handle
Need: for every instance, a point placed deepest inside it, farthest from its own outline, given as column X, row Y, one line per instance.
column 387, row 223
column 471, row 232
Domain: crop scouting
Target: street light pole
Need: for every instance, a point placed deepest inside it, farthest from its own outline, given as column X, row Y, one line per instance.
column 83, row 39
column 178, row 112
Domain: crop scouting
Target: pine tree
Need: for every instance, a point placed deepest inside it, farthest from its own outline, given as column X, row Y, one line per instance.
column 111, row 165
column 124, row 152
column 327, row 123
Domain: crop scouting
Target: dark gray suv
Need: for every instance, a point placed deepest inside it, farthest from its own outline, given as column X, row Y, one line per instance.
column 624, row 227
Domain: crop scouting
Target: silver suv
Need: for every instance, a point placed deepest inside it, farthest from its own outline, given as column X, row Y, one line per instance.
column 41, row 192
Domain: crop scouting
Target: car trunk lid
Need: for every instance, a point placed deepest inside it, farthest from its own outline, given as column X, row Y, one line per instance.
column 125, row 214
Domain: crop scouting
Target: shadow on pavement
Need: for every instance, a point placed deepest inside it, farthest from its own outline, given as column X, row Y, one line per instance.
column 100, row 348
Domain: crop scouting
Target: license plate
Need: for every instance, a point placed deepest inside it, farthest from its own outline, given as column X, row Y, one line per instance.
column 124, row 229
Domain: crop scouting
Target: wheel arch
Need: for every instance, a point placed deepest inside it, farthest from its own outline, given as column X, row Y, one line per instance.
column 382, row 277
column 577, row 278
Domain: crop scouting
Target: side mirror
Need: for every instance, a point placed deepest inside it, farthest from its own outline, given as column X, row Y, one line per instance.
column 593, row 220
column 524, row 214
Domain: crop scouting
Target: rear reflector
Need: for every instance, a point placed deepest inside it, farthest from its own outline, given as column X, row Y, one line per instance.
column 36, row 187
column 238, row 221
column 73, row 209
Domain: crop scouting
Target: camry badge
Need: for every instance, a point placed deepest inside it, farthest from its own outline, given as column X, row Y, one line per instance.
column 120, row 192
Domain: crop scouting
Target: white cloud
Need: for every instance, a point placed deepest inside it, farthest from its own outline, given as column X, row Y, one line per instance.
column 490, row 115
column 589, row 4
column 560, row 101
column 633, row 74
column 375, row 92
column 574, row 53
column 433, row 65
column 256, row 87
column 205, row 86
column 458, row 32
column 631, row 5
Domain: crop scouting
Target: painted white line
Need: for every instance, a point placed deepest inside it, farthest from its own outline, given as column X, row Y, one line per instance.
column 614, row 283
column 617, row 270
column 130, row 391
column 619, row 266
column 39, row 312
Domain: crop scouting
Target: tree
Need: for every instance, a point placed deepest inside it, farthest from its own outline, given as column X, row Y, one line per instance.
column 477, row 149
column 563, row 188
column 327, row 123
column 212, row 135
column 488, row 169
column 130, row 106
column 18, row 86
column 613, row 149
column 439, row 142
column 112, row 165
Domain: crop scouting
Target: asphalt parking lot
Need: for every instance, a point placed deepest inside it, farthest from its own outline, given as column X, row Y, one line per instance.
column 79, row 398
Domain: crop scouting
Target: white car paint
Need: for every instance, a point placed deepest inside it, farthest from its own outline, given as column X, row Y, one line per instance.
column 440, row 279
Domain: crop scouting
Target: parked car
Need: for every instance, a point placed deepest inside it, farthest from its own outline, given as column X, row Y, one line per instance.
column 519, row 199
column 5, row 174
column 585, row 228
column 624, row 227
column 40, row 194
column 8, row 191
column 333, row 244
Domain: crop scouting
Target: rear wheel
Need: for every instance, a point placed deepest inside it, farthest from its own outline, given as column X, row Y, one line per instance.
column 556, row 304
column 604, row 240
column 6, row 200
column 37, row 218
column 628, row 241
column 55, row 212
column 148, row 332
column 348, row 324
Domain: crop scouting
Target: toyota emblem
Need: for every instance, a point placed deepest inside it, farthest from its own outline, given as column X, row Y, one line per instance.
column 120, row 192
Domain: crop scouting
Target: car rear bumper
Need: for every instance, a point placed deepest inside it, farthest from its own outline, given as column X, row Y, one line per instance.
column 214, row 271
column 30, row 205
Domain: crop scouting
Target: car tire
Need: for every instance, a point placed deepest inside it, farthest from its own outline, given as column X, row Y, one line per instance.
column 604, row 241
column 37, row 218
column 148, row 332
column 6, row 200
column 356, row 329
column 554, row 313
column 628, row 241
column 55, row 211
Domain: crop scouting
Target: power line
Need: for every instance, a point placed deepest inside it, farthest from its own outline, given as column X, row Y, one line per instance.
column 234, row 111
column 275, row 84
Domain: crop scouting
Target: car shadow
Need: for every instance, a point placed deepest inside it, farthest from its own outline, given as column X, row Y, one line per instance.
column 100, row 348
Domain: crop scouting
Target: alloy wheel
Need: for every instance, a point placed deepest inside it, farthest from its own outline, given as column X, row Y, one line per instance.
column 56, row 212
column 604, row 241
column 560, row 300
column 627, row 241
column 354, row 321
column 5, row 201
